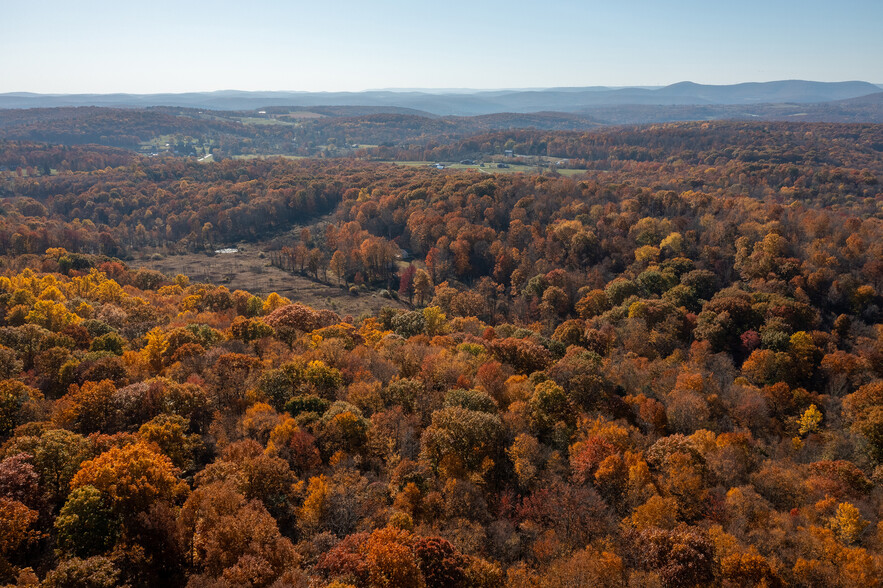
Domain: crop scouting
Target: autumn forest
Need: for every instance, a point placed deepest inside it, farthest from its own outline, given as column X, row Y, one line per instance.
column 642, row 356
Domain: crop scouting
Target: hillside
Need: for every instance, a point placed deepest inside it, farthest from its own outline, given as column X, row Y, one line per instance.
column 350, row 130
column 473, row 102
column 665, row 370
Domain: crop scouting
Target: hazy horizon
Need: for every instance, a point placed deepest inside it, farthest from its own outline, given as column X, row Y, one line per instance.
column 166, row 47
column 431, row 90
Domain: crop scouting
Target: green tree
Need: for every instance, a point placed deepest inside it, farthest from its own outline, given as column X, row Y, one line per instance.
column 18, row 404
column 468, row 437
column 86, row 525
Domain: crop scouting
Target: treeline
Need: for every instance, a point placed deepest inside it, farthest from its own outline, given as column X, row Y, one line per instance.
column 30, row 159
column 403, row 130
column 413, row 136
column 129, row 127
column 117, row 127
column 333, row 132
column 499, row 242
column 710, row 143
column 170, row 202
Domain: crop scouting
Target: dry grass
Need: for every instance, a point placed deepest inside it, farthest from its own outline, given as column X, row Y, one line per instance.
column 247, row 270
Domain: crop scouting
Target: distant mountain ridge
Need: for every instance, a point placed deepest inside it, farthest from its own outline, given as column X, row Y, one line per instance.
column 472, row 103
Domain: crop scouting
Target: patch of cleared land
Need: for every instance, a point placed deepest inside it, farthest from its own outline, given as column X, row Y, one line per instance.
column 300, row 114
column 571, row 172
column 247, row 270
column 491, row 168
column 265, row 156
column 254, row 120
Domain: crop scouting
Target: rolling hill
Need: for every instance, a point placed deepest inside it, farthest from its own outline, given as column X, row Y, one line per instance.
column 473, row 102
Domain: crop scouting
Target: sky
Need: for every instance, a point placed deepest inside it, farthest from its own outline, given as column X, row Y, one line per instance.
column 100, row 46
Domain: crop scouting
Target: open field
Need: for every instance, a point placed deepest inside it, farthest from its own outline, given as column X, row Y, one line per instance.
column 261, row 156
column 300, row 114
column 249, row 269
column 254, row 120
column 491, row 168
column 571, row 172
column 162, row 143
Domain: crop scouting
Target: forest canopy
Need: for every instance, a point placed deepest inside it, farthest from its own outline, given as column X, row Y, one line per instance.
column 664, row 371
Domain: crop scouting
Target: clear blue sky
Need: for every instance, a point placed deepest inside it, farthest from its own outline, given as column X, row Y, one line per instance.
column 175, row 46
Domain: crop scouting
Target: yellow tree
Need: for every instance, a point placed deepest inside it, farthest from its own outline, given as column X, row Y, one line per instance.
column 156, row 346
column 848, row 523
column 273, row 302
column 51, row 315
column 810, row 420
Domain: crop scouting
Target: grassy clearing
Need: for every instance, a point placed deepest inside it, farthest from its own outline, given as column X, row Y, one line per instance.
column 267, row 156
column 572, row 172
column 411, row 163
column 164, row 143
column 513, row 168
column 257, row 121
column 301, row 114
column 491, row 168
column 249, row 269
